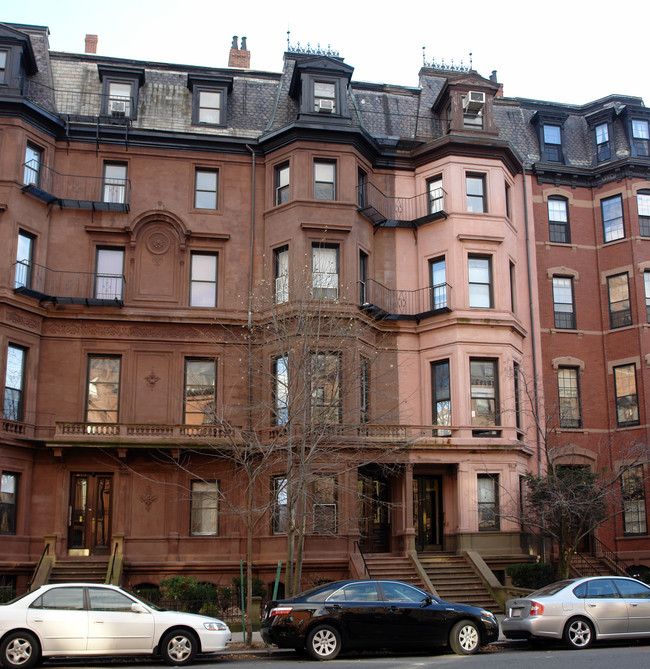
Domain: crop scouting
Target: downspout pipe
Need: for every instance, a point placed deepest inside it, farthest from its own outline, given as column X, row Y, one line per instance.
column 250, row 289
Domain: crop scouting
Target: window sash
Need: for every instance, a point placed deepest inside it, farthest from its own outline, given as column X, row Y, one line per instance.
column 282, row 175
column 475, row 194
column 325, row 272
column 206, row 189
column 488, row 502
column 280, row 512
column 102, row 400
column 109, row 279
column 33, row 160
column 24, row 259
column 484, row 393
column 14, row 399
column 324, row 90
column 203, row 279
column 613, row 224
column 204, row 508
column 634, row 501
column 569, row 397
column 324, row 180
column 441, row 395
column 646, row 286
column 627, row 400
column 8, row 502
column 480, row 282
column 281, row 390
column 114, row 183
column 618, row 290
column 200, row 392
column 563, row 303
column 643, row 210
column 436, row 195
column 438, row 271
column 210, row 107
column 325, row 388
column 324, row 505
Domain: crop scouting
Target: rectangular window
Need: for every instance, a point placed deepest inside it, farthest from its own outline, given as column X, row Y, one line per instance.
column 325, row 271
column 627, row 399
column 206, row 189
column 109, row 277
column 618, row 292
column 634, row 508
column 324, row 97
column 204, row 511
column 280, row 390
column 552, row 143
column 363, row 277
column 480, row 282
column 15, row 383
column 516, row 375
column 484, row 389
column 8, row 502
column 441, row 396
column 282, row 192
column 438, row 273
column 24, row 259
column 200, row 392
column 102, row 401
column 643, row 209
column 120, row 95
column 281, row 274
column 563, row 304
column 612, row 212
column 641, row 137
column 364, row 390
column 324, row 505
column 603, row 151
column 280, row 505
column 362, row 187
column 558, row 220
column 114, row 183
column 513, row 301
column 325, row 381
column 203, row 279
column 436, row 195
column 568, row 384
column 33, row 162
column 324, row 180
column 209, row 107
column 3, row 67
column 646, row 286
column 488, row 502
column 475, row 191
column 507, row 194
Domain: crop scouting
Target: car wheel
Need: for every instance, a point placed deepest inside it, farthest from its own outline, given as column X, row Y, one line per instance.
column 178, row 647
column 20, row 650
column 465, row 638
column 579, row 633
column 323, row 643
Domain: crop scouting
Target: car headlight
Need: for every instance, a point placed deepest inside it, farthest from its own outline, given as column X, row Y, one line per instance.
column 487, row 614
column 216, row 626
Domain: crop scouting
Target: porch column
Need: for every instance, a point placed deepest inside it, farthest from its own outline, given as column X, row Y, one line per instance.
column 407, row 509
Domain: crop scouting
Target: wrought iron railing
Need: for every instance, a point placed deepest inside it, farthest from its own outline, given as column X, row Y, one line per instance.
column 372, row 202
column 61, row 286
column 405, row 303
column 76, row 191
column 616, row 563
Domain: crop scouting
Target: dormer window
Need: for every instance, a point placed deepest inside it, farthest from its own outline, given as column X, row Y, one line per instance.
column 3, row 66
column 121, row 86
column 473, row 107
column 552, row 143
column 209, row 99
column 324, row 97
column 603, row 151
column 641, row 137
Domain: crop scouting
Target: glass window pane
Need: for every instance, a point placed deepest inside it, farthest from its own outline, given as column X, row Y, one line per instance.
column 640, row 129
column 552, row 134
column 602, row 133
column 324, row 172
column 557, row 210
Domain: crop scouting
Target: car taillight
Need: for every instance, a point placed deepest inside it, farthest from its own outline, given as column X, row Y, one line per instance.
column 280, row 611
column 536, row 609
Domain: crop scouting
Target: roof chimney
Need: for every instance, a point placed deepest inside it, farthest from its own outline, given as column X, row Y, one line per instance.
column 91, row 44
column 239, row 57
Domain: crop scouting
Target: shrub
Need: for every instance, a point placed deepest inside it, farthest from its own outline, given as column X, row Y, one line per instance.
column 530, row 575
column 258, row 586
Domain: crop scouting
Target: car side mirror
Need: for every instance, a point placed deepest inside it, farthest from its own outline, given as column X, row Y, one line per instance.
column 136, row 607
column 427, row 601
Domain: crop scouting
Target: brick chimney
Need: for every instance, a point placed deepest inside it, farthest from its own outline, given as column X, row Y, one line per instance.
column 239, row 57
column 91, row 44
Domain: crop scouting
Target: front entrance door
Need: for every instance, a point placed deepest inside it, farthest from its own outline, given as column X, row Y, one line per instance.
column 427, row 512
column 89, row 525
column 373, row 512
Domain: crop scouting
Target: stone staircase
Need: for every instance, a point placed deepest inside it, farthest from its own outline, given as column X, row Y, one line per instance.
column 79, row 571
column 398, row 567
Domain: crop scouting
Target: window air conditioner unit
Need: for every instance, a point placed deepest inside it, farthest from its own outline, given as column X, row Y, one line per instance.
column 326, row 106
column 117, row 107
column 474, row 101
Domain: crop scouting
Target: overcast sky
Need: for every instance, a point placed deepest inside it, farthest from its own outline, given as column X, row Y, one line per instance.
column 572, row 51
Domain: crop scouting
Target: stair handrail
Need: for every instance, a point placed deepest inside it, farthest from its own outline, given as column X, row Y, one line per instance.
column 619, row 565
column 45, row 552
column 363, row 558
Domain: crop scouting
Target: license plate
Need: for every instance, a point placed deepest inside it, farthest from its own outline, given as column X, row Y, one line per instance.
column 515, row 613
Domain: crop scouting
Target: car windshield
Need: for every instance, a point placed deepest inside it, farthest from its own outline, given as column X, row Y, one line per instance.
column 145, row 601
column 551, row 589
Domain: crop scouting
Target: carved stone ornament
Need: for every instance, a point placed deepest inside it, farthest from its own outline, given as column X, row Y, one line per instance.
column 152, row 378
column 148, row 498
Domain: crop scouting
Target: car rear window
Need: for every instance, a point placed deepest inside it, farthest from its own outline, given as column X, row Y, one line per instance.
column 551, row 589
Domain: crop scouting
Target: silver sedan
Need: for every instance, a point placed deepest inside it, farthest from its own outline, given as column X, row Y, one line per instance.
column 581, row 611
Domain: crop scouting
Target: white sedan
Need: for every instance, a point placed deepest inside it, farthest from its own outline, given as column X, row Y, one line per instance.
column 83, row 619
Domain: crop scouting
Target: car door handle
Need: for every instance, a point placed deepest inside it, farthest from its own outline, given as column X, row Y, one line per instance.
column 592, row 605
column 633, row 604
column 98, row 622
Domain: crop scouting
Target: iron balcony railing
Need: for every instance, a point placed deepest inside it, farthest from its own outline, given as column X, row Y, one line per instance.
column 416, row 304
column 379, row 208
column 63, row 287
column 75, row 191
column 80, row 105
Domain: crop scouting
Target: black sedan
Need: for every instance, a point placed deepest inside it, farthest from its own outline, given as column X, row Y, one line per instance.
column 371, row 615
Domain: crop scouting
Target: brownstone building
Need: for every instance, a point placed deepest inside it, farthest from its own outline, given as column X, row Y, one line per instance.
column 156, row 216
